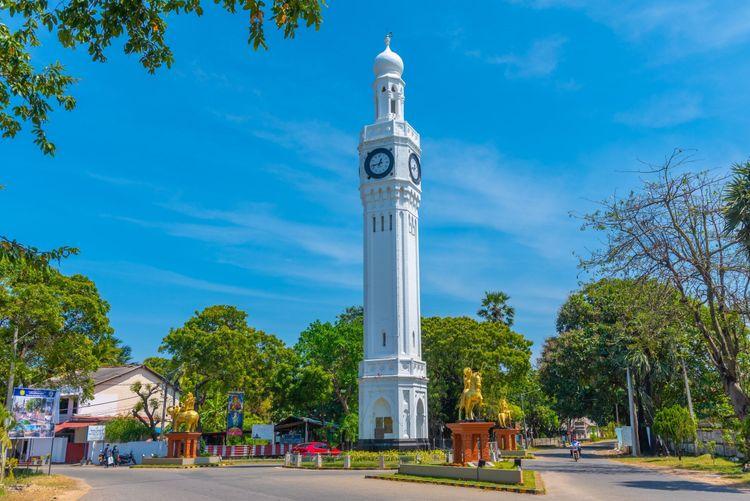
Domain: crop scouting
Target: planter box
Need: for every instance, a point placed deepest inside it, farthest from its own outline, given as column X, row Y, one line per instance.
column 200, row 460
column 464, row 473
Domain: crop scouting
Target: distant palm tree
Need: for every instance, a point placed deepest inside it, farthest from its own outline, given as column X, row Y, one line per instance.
column 737, row 199
column 495, row 308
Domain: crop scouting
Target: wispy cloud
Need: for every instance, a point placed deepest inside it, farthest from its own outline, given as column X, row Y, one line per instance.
column 121, row 181
column 146, row 274
column 667, row 110
column 541, row 59
column 688, row 26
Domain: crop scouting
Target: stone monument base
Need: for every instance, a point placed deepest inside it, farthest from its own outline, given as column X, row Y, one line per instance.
column 506, row 438
column 183, row 444
column 471, row 441
column 399, row 444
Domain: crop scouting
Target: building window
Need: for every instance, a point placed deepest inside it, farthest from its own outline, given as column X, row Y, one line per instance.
column 384, row 339
column 373, row 224
column 75, row 405
column 393, row 106
column 390, row 222
column 64, row 405
column 413, row 339
column 384, row 423
column 382, row 223
column 383, row 89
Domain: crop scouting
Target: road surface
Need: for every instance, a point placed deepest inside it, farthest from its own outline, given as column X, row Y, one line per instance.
column 593, row 478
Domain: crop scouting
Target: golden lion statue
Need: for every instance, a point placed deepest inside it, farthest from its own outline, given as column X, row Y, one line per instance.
column 184, row 414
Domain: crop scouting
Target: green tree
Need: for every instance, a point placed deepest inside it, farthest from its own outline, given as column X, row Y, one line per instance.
column 329, row 354
column 737, row 204
column 125, row 429
column 27, row 93
column 52, row 326
column 147, row 407
column 675, row 424
column 495, row 308
column 452, row 343
column 218, row 352
column 672, row 230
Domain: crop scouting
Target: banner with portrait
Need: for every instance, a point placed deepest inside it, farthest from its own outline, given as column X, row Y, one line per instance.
column 34, row 411
column 235, row 414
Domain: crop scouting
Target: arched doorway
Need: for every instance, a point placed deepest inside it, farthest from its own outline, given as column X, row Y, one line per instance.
column 420, row 419
column 382, row 418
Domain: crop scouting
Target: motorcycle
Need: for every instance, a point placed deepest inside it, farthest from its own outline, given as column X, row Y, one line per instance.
column 127, row 459
column 576, row 454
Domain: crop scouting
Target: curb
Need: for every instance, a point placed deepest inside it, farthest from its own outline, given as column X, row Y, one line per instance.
column 459, row 484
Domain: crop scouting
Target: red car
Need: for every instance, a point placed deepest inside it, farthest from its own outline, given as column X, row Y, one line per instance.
column 312, row 448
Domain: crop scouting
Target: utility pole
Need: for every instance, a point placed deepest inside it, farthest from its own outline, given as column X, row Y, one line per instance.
column 687, row 389
column 633, row 421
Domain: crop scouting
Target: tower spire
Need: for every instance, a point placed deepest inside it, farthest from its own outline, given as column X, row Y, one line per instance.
column 388, row 39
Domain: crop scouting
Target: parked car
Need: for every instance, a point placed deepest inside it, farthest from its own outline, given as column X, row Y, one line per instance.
column 312, row 448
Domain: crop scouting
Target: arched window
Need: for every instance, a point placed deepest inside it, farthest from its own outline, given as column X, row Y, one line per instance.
column 383, row 90
column 393, row 88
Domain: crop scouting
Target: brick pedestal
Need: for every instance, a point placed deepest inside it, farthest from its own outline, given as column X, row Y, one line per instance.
column 182, row 444
column 471, row 441
column 506, row 439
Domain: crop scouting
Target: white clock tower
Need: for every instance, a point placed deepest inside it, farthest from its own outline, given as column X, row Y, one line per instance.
column 392, row 377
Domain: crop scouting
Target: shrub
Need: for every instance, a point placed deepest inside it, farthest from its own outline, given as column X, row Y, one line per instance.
column 676, row 425
column 125, row 429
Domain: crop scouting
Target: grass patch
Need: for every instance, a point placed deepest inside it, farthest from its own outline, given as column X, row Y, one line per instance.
column 231, row 462
column 529, row 486
column 173, row 466
column 719, row 466
column 29, row 486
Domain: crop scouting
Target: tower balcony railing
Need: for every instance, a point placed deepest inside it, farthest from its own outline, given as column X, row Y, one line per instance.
column 389, row 128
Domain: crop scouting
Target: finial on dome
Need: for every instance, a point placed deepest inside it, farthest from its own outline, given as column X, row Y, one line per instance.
column 388, row 62
column 388, row 39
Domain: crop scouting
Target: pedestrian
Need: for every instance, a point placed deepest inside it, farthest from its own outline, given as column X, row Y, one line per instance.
column 105, row 455
column 115, row 455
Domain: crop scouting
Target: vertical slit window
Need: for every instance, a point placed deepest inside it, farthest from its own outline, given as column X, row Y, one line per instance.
column 390, row 222
column 393, row 106
column 382, row 223
column 384, row 339
column 413, row 339
column 373, row 224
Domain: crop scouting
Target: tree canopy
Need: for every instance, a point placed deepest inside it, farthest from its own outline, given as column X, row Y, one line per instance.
column 29, row 90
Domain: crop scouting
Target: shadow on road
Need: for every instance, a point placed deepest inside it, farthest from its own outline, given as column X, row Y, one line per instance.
column 680, row 485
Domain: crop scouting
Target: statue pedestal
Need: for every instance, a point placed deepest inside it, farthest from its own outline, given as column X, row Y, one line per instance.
column 506, row 438
column 471, row 441
column 182, row 444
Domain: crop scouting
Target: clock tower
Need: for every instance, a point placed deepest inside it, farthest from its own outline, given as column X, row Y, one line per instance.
column 392, row 376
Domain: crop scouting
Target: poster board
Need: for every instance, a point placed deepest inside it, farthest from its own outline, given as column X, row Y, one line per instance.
column 235, row 413
column 34, row 411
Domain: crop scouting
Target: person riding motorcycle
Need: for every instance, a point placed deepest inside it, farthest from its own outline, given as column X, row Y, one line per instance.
column 575, row 445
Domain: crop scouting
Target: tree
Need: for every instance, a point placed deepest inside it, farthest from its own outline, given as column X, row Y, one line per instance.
column 52, row 326
column 219, row 352
column 495, row 308
column 27, row 94
column 125, row 429
column 6, row 424
column 452, row 343
column 676, row 425
column 737, row 204
column 145, row 410
column 672, row 230
column 329, row 354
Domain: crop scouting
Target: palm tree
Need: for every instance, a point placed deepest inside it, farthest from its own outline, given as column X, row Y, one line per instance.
column 495, row 308
column 737, row 199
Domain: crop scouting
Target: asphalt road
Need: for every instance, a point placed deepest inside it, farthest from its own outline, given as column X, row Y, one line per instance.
column 593, row 478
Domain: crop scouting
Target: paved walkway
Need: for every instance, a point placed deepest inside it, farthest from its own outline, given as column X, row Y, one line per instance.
column 593, row 478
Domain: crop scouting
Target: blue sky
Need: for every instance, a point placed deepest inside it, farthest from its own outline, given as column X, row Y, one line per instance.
column 232, row 177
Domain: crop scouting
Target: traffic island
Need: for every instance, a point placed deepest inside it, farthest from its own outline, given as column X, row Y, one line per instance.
column 532, row 482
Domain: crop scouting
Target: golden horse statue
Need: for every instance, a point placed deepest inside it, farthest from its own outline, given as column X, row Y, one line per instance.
column 184, row 414
column 471, row 397
column 504, row 415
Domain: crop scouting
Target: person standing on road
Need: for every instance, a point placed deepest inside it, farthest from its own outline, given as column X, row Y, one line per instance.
column 105, row 456
column 115, row 455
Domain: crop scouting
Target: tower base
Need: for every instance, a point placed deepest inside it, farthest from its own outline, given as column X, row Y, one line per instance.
column 399, row 444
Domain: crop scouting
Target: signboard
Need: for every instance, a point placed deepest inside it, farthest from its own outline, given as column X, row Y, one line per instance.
column 95, row 433
column 34, row 413
column 235, row 415
column 264, row 431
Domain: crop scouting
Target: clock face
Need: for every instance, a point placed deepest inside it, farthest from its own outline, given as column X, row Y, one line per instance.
column 415, row 169
column 379, row 163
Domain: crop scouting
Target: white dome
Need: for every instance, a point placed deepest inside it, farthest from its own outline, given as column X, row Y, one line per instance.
column 388, row 63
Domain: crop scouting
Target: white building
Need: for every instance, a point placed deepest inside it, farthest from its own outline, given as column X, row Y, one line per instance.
column 392, row 377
